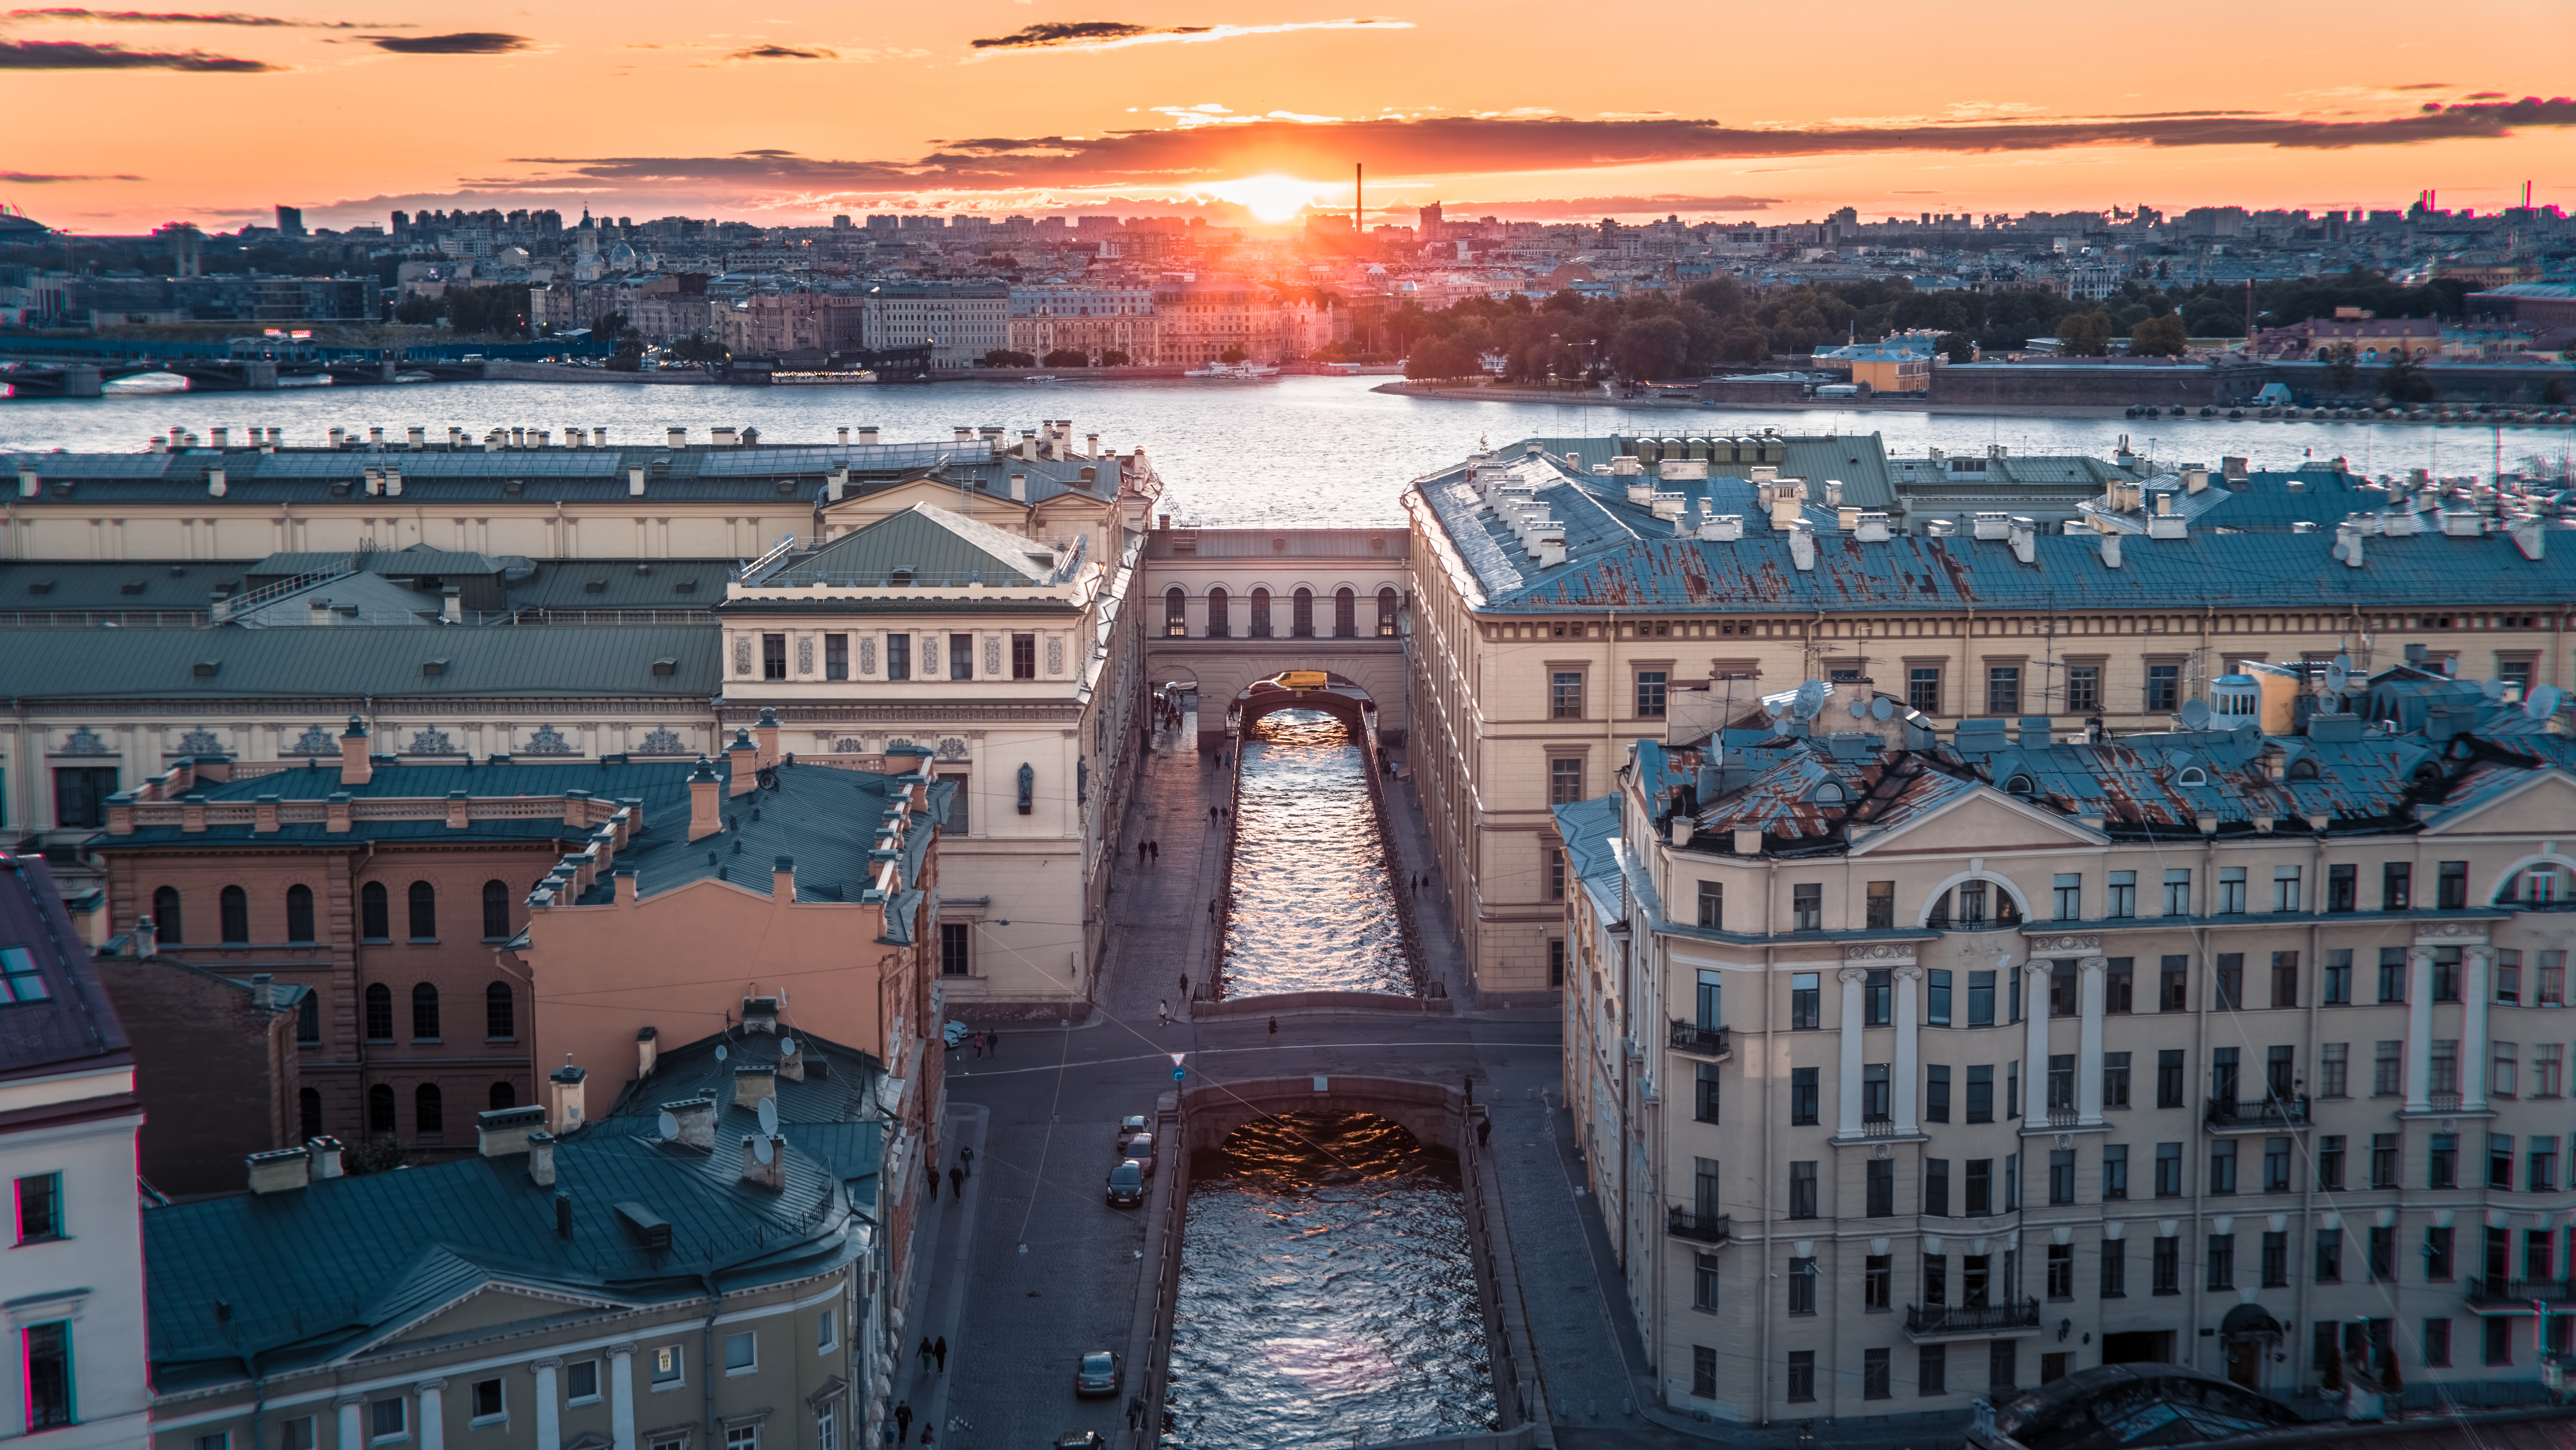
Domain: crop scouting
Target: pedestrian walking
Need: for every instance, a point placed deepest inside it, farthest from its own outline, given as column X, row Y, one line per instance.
column 925, row 1434
column 993, row 1048
column 1163, row 1013
column 957, row 1189
column 1211, row 908
column 903, row 1411
column 966, row 1156
column 1484, row 1131
column 1140, row 854
column 1274, row 1026
column 939, row 1351
column 1185, row 986
column 1157, row 848
column 925, row 1354
column 1211, row 815
column 933, row 1171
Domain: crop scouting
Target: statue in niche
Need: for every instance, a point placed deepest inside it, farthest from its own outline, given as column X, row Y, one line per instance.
column 1028, row 788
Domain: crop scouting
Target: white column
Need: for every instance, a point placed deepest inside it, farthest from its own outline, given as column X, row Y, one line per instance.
column 621, row 1396
column 1854, row 980
column 1906, row 1068
column 2034, row 1053
column 433, row 1414
column 549, row 1405
column 2093, row 981
column 353, row 1428
column 2474, row 992
column 2419, row 1029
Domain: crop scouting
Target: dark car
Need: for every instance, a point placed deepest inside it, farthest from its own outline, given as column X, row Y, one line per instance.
column 1140, row 1151
column 1129, row 1128
column 1096, row 1374
column 1078, row 1440
column 1127, row 1184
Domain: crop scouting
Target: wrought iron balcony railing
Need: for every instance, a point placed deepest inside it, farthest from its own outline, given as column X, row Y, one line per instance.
column 2265, row 1113
column 1927, row 1319
column 1706, row 1228
column 2521, row 1291
column 1711, row 1042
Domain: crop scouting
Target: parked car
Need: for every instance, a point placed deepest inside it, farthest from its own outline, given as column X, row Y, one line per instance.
column 1140, row 1151
column 1127, row 1185
column 1078, row 1440
column 1096, row 1374
column 1129, row 1128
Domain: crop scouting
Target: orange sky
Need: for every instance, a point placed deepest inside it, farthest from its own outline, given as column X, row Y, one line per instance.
column 786, row 110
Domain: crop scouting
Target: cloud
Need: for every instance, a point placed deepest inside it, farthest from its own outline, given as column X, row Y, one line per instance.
column 38, row 178
column 464, row 42
column 80, row 55
column 1119, row 34
column 190, row 17
column 783, row 52
column 1590, row 208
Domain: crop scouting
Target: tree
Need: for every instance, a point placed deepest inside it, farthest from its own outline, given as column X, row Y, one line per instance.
column 1958, row 347
column 1232, row 355
column 1652, row 348
column 2159, row 337
column 2339, row 359
column 2212, row 317
column 1068, row 357
column 1113, row 358
column 698, row 347
column 1747, row 344
column 1002, row 357
column 1439, row 358
column 2084, row 334
column 2404, row 382
column 418, row 309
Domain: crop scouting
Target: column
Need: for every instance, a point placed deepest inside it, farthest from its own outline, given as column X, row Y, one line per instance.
column 549, row 1405
column 2093, row 983
column 621, row 1396
column 2474, row 994
column 2034, row 1052
column 1907, row 1070
column 2419, row 1029
column 1854, row 980
column 353, row 1428
column 433, row 1414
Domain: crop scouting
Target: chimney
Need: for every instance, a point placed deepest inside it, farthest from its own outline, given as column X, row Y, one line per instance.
column 760, row 1014
column 1019, row 488
column 705, row 809
column 742, row 756
column 845, row 437
column 451, row 604
column 147, row 938
column 504, row 1131
column 764, row 1161
column 791, row 1065
column 563, row 1215
column 2527, row 536
column 675, row 437
column 837, row 482
column 2347, row 544
column 567, row 1096
column 2110, row 549
column 393, row 483
column 648, row 1050
column 221, row 438
column 1802, row 548
column 697, row 1119
column 752, row 1083
column 867, row 436
column 355, row 768
column 1091, row 445
column 215, row 485
column 1833, row 493
column 2195, row 478
column 721, row 437
column 782, row 879
column 964, row 435
column 635, row 483
column 541, row 1159
column 326, row 1157
column 418, row 438
column 1748, row 841
column 766, row 732
column 375, row 440
column 279, row 1170
column 2025, row 539
column 263, row 991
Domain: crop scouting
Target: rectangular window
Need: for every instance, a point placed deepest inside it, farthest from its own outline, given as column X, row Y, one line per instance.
column 2437, row 1254
column 1552, row 861
column 2168, row 1170
column 1565, row 695
column 2387, row 1068
column 1703, row 1372
column 2508, row 978
column 220, row 1440
column 1936, row 1279
column 1874, row 1276
column 2083, row 689
column 741, row 1352
column 1881, row 1186
column 961, row 656
column 1981, row 999
column 2119, row 980
column 48, row 1350
column 1936, row 1189
column 40, row 1207
column 1024, row 656
column 2548, row 1078
column 1650, row 694
column 2285, row 979
column 2552, row 989
column 1704, row 1280
column 2446, row 974
column 2115, row 1080
column 2164, row 688
column 2230, row 977
column 2222, row 1168
column 2500, row 1161
column 581, row 1380
column 2446, row 1065
column 2285, row 889
column 2178, row 891
column 2276, row 1165
column 2396, row 885
column 2336, row 988
column 1802, row 1372
column 2392, row 974
column 1936, row 1093
column 2231, row 891
column 2002, row 1363
column 2115, row 1269
column 2343, row 888
column 1712, row 905
column 1873, row 1374
column 1923, row 689
column 2330, row 1163
column 2383, row 1255
column 2062, row 989
column 898, row 656
column 2443, row 1169
column 488, row 1403
column 1981, row 1093
column 836, row 657
column 2061, row 1271
column 1807, row 907
column 1802, row 1095
column 2061, row 1175
column 1802, row 1286
column 1932, row 1370
column 742, row 1437
column 1803, row 992
column 2451, row 886
column 2221, row 1262
column 2070, row 897
column 2173, row 984
column 1880, row 906
column 2115, row 1171
column 2061, row 1082
column 2383, row 1160
column 956, row 949
column 1877, row 998
column 1936, row 996
column 668, row 1368
column 1980, row 1187
column 2169, row 1077
column 389, row 1419
column 2003, row 690
column 2124, row 895
column 2502, row 1060
column 1704, row 1101
column 2329, row 1256
column 2499, row 1336
column 2165, row 1266
column 295, row 1434
column 2437, row 1343
column 1802, row 1190
column 2276, row 1260
column 773, row 657
column 1564, row 780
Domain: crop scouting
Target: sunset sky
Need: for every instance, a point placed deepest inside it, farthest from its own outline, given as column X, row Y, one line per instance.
column 783, row 111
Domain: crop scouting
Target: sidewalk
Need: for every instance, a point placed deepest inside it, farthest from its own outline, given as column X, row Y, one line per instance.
column 942, row 1236
column 1159, row 911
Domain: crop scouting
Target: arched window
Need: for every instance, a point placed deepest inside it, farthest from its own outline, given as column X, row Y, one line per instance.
column 165, row 915
column 308, row 1019
column 1346, row 623
column 424, row 1011
column 1217, row 624
column 496, row 911
column 500, row 1019
column 308, row 1112
column 299, row 913
column 1386, row 602
column 380, row 1110
column 1260, row 614
column 375, row 919
column 1301, row 614
column 1176, row 612
column 232, row 914
column 380, row 1013
column 503, row 1096
column 424, row 911
column 428, row 1113
column 1974, row 905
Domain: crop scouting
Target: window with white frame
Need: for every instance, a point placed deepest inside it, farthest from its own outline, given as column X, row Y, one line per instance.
column 742, row 1437
column 389, row 1420
column 581, row 1381
column 669, row 1370
column 741, row 1353
column 827, row 1332
column 490, row 1404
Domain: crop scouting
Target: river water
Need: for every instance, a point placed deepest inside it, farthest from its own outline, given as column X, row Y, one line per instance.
column 1327, row 1296
column 1296, row 452
column 1313, row 910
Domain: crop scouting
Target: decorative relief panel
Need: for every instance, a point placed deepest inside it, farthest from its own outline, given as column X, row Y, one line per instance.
column 200, row 742
column 993, row 655
column 804, row 654
column 2071, row 942
column 430, row 742
column 549, row 741
column 314, row 741
column 867, row 654
column 952, row 748
column 86, row 741
column 1879, row 951
column 742, row 654
column 1055, row 654
column 663, row 742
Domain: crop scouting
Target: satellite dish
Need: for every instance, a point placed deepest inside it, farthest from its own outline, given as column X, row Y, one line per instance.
column 787, row 1047
column 2492, row 689
column 2333, row 704
column 2194, row 712
column 1882, row 708
column 2543, row 701
column 1810, row 700
column 1860, row 709
column 2338, row 675
column 761, row 1152
column 769, row 1115
column 2249, row 735
column 720, row 1052
column 670, row 1128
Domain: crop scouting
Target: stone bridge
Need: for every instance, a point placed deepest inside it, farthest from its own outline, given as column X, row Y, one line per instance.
column 1227, row 607
column 1436, row 1116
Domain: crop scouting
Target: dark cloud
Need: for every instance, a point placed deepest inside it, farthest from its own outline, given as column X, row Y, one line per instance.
column 38, row 178
column 464, row 42
column 783, row 52
column 1068, row 32
column 189, row 17
column 1589, row 207
column 2426, row 86
column 79, row 55
column 2486, row 95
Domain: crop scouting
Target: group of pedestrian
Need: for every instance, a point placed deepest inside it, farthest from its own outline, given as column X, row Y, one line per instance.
column 1218, row 813
column 898, row 1431
column 1148, row 852
column 985, row 1042
column 1421, row 879
column 958, row 1172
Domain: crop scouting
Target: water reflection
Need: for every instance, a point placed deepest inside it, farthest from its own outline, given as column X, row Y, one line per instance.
column 1327, row 1297
column 1313, row 909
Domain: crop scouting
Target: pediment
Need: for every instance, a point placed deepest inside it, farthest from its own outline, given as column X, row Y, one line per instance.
column 2543, row 805
column 487, row 1309
column 1983, row 820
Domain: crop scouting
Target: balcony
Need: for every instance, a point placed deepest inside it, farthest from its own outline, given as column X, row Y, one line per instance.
column 2265, row 1115
column 1956, row 1321
column 2512, row 1295
column 1714, row 1043
column 1702, row 1228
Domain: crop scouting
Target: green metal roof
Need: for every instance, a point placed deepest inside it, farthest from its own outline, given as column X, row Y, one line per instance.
column 340, row 663
column 936, row 548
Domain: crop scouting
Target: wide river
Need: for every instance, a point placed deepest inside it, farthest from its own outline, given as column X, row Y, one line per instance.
column 1313, row 909
column 1297, row 452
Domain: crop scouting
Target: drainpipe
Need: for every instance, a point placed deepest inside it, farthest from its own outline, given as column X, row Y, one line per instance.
column 1763, row 1276
column 707, row 1349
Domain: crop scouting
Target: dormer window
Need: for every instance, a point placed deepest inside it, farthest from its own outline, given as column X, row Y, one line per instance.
column 900, row 579
column 2192, row 775
column 2021, row 784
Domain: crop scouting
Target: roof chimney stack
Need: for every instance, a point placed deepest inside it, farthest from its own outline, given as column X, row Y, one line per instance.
column 697, row 1119
column 279, row 1169
column 326, row 1157
column 568, row 1097
column 355, row 767
column 648, row 1050
column 541, row 1159
column 743, row 758
column 706, row 816
column 764, row 1161
column 765, row 731
column 504, row 1131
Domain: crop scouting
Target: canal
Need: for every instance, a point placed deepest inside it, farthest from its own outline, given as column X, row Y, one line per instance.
column 1327, row 1296
column 1313, row 909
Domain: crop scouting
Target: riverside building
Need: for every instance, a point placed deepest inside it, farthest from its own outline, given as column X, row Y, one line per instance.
column 1918, row 1063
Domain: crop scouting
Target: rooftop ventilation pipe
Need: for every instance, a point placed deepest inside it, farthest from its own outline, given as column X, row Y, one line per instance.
column 2025, row 540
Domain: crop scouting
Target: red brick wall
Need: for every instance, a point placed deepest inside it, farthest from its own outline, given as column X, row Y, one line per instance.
column 216, row 1074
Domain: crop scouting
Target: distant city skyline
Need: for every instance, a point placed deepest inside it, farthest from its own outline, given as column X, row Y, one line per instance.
column 1510, row 111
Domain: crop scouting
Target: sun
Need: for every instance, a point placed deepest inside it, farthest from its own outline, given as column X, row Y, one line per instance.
column 1271, row 198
